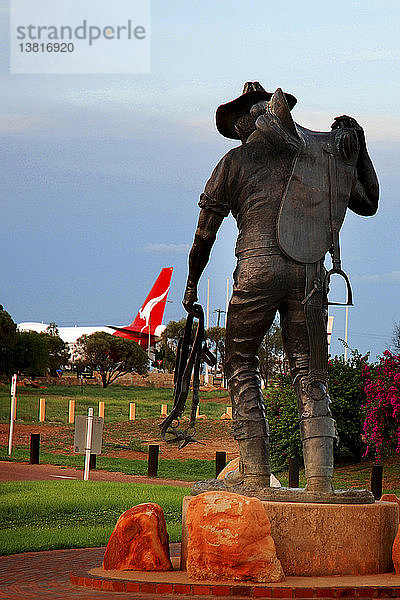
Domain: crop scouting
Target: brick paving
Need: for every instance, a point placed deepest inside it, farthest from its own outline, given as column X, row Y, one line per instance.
column 45, row 575
column 42, row 575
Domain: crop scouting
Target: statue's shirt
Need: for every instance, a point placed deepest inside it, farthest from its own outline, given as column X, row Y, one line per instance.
column 249, row 182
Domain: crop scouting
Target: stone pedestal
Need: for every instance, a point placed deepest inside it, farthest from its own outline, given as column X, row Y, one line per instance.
column 328, row 539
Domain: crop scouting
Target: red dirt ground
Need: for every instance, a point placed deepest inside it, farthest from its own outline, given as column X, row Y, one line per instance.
column 117, row 437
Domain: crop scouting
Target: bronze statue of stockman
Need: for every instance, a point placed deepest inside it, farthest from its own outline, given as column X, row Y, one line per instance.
column 288, row 189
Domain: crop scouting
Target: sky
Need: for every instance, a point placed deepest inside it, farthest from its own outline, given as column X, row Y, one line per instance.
column 102, row 173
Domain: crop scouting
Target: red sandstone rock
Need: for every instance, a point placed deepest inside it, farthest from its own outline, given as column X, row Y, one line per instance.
column 139, row 541
column 396, row 543
column 230, row 538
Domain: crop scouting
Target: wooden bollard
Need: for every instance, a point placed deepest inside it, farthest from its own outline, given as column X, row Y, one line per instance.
column 34, row 450
column 101, row 409
column 220, row 462
column 42, row 409
column 71, row 411
column 229, row 411
column 132, row 411
column 152, row 467
column 164, row 410
column 376, row 481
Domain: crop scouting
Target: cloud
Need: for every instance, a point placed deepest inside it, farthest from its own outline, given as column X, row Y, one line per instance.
column 392, row 277
column 17, row 123
column 377, row 127
column 166, row 248
column 369, row 55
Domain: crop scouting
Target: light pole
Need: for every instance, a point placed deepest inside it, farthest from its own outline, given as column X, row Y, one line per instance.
column 149, row 342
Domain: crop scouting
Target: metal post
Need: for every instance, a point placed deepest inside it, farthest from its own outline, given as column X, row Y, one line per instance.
column 152, row 467
column 88, row 445
column 149, row 342
column 35, row 448
column 346, row 331
column 12, row 411
column 376, row 481
column 92, row 462
column 293, row 472
column 220, row 462
column 227, row 300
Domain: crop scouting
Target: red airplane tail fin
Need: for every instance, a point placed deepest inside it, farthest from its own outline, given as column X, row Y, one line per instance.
column 153, row 307
column 151, row 314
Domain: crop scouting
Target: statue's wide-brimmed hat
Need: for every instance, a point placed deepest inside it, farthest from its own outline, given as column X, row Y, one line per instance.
column 227, row 114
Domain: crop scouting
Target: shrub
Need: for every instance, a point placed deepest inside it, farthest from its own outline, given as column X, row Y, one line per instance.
column 347, row 394
column 282, row 414
column 346, row 390
column 382, row 406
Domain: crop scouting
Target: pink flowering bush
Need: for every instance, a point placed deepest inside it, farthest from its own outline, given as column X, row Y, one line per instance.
column 382, row 406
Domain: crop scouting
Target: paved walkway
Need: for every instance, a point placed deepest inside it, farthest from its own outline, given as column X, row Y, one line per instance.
column 43, row 575
column 16, row 471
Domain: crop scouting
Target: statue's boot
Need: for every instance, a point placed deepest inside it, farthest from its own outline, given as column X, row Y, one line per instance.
column 253, row 476
column 318, row 435
column 318, row 432
column 254, row 467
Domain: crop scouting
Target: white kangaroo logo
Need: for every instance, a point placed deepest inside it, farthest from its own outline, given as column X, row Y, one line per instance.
column 144, row 313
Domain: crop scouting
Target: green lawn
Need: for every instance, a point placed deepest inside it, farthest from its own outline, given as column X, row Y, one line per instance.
column 46, row 515
column 63, row 514
column 116, row 398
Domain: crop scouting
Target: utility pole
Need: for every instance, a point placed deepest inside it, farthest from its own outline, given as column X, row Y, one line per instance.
column 227, row 299
column 219, row 311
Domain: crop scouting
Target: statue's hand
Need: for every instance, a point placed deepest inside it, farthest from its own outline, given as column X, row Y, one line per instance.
column 190, row 297
column 347, row 122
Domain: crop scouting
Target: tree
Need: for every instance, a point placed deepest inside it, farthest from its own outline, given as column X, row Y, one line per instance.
column 52, row 329
column 271, row 354
column 31, row 356
column 216, row 335
column 8, row 339
column 169, row 344
column 346, row 390
column 58, row 351
column 396, row 338
column 111, row 356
